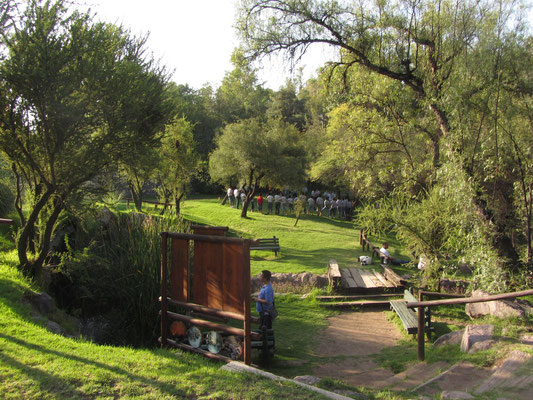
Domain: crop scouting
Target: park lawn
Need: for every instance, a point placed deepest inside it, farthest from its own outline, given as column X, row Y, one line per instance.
column 37, row 364
column 307, row 247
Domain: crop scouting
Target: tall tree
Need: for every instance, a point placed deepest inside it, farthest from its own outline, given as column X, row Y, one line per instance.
column 259, row 152
column 71, row 103
column 178, row 162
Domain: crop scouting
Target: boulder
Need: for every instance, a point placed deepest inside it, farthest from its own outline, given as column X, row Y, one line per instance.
column 42, row 302
column 291, row 280
column 451, row 338
column 497, row 308
column 483, row 345
column 474, row 334
column 54, row 327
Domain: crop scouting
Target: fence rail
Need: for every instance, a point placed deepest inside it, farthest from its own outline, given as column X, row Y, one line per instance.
column 434, row 303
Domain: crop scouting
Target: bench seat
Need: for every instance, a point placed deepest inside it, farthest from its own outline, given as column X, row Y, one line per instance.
column 408, row 317
column 267, row 244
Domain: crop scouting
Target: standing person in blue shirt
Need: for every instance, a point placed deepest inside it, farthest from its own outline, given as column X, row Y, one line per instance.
column 265, row 300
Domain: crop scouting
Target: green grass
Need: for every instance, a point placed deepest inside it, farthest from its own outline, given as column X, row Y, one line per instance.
column 306, row 247
column 36, row 364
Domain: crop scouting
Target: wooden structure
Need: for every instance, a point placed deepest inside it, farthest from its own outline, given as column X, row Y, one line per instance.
column 6, row 221
column 432, row 303
column 209, row 277
column 267, row 244
column 210, row 230
column 362, row 280
column 409, row 317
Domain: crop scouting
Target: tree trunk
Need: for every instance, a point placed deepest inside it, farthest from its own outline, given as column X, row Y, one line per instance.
column 224, row 199
column 28, row 228
column 251, row 193
column 18, row 198
column 137, row 197
column 37, row 265
column 177, row 201
column 297, row 218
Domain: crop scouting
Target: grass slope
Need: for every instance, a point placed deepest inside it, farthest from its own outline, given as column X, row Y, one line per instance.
column 306, row 247
column 36, row 364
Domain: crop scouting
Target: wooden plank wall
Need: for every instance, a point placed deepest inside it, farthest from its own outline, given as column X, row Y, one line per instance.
column 219, row 277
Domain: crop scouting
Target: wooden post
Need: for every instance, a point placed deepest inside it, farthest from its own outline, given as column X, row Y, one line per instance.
column 421, row 326
column 164, row 306
column 246, row 304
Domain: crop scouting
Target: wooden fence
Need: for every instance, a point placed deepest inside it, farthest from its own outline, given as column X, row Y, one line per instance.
column 208, row 276
column 433, row 303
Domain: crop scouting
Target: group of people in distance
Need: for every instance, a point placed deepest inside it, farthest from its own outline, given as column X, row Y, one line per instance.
column 286, row 202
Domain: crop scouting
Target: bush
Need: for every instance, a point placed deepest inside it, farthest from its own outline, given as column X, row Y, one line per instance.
column 6, row 200
column 118, row 276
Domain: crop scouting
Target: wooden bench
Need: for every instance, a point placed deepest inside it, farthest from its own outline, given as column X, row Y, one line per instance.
column 409, row 317
column 267, row 244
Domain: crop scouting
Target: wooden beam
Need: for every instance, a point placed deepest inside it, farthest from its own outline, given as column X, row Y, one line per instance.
column 430, row 303
column 367, row 296
column 164, row 307
column 205, row 310
column 347, row 304
column 211, row 325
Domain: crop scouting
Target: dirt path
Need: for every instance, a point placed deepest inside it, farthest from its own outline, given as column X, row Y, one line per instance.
column 350, row 339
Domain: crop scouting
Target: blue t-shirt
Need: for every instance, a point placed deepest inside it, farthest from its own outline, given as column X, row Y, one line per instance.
column 266, row 293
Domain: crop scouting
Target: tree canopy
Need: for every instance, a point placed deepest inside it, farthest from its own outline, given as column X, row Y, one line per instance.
column 75, row 96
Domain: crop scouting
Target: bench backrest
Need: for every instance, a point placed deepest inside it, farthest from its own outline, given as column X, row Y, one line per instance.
column 273, row 240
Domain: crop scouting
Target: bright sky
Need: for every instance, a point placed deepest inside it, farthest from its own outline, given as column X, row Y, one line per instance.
column 195, row 38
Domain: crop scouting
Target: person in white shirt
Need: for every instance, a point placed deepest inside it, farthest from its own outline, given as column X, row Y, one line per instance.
column 319, row 205
column 387, row 257
column 290, row 202
column 277, row 203
column 283, row 201
column 236, row 193
column 340, row 208
column 270, row 201
column 310, row 205
column 230, row 196
column 326, row 207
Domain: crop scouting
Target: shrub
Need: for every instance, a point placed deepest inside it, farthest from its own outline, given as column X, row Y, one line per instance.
column 118, row 275
column 6, row 200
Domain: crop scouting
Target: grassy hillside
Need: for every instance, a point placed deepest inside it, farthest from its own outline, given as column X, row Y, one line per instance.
column 36, row 364
column 306, row 247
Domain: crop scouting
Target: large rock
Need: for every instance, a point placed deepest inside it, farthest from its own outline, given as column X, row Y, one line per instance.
column 454, row 337
column 42, row 302
column 497, row 308
column 290, row 281
column 54, row 327
column 474, row 334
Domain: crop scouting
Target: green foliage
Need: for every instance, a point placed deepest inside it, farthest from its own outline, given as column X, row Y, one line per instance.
column 118, row 274
column 271, row 152
column 75, row 97
column 443, row 226
column 6, row 200
column 178, row 161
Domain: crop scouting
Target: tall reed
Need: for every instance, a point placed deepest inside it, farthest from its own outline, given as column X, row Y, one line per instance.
column 118, row 276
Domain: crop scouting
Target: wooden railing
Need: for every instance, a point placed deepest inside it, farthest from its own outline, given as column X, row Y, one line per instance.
column 433, row 303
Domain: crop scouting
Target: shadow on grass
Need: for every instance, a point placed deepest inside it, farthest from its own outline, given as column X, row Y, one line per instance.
column 55, row 384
